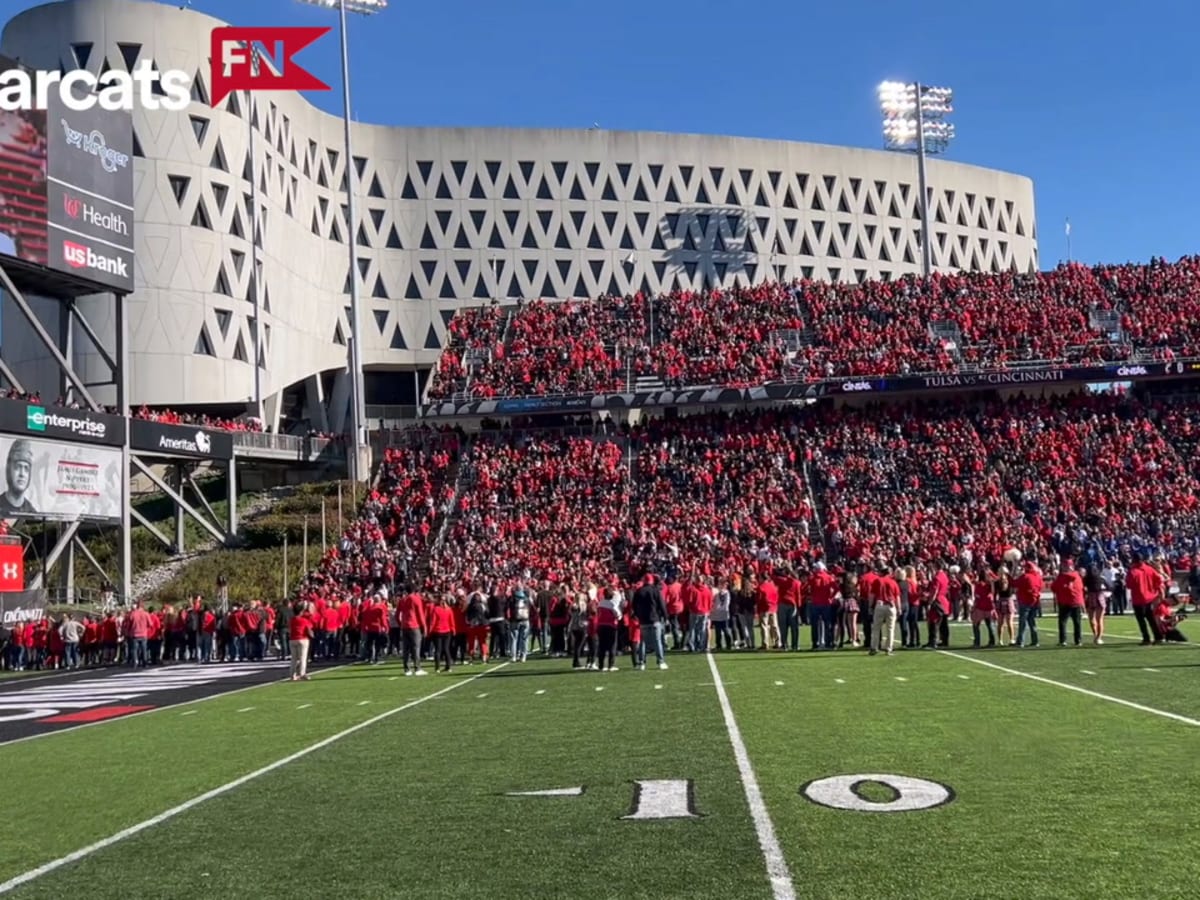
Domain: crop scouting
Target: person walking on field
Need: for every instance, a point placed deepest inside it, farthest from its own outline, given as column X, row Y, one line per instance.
column 1145, row 587
column 887, row 608
column 1029, row 601
column 300, row 635
column 1067, row 588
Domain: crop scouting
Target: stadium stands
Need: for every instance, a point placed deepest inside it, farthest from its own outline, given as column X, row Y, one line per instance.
column 1093, row 476
column 813, row 330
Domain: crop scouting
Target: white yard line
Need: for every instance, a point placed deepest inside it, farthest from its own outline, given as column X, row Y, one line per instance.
column 777, row 867
column 47, row 868
column 1079, row 690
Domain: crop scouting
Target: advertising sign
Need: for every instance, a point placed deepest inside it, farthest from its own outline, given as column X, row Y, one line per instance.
column 179, row 440
column 60, row 481
column 66, row 188
column 12, row 566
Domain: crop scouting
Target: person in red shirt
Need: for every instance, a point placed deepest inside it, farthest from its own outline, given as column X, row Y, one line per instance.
column 410, row 610
column 441, row 631
column 983, row 610
column 1146, row 588
column 789, row 588
column 138, row 626
column 939, row 610
column 1167, row 619
column 887, row 610
column 1029, row 602
column 766, row 602
column 300, row 634
column 822, row 589
column 1068, row 597
column 673, row 597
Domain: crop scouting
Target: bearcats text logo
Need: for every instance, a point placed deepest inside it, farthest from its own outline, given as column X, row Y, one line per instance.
column 1132, row 370
column 857, row 386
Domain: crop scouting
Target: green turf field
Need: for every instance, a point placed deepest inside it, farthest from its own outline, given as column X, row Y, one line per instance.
column 1028, row 788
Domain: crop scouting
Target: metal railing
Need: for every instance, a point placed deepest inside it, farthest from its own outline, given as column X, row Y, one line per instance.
column 300, row 446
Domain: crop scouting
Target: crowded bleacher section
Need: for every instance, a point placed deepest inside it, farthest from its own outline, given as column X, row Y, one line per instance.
column 808, row 330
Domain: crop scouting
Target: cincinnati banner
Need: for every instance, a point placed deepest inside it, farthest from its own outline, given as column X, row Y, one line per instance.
column 834, row 387
column 59, row 481
column 18, row 607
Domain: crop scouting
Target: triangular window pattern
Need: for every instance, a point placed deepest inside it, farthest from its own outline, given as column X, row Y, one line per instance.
column 222, row 285
column 431, row 339
column 376, row 190
column 218, row 159
column 200, row 93
column 179, row 186
column 239, row 349
column 220, row 194
column 200, row 217
column 199, row 128
column 412, row 292
column 339, row 336
column 129, row 53
column 224, row 317
column 408, row 192
column 393, row 241
column 204, row 344
column 137, row 147
column 381, row 317
column 82, row 53
column 398, row 342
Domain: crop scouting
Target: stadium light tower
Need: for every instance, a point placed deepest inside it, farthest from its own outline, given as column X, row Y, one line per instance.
column 914, row 120
column 358, row 404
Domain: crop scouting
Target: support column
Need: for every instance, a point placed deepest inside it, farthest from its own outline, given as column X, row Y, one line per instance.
column 122, row 379
column 180, row 480
column 66, row 573
column 231, row 486
column 314, row 400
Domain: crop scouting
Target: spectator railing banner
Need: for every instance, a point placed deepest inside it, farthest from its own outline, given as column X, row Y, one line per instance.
column 18, row 607
column 849, row 386
column 18, row 417
column 180, row 440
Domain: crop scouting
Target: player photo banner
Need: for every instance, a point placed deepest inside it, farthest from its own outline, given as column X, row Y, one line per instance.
column 59, row 481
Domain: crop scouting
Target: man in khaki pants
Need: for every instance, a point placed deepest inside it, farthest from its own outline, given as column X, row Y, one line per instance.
column 300, row 632
column 885, row 613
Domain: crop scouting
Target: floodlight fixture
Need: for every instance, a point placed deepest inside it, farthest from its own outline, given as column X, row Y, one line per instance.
column 915, row 119
column 363, row 7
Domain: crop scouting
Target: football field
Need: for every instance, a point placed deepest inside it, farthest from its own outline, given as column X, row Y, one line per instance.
column 986, row 774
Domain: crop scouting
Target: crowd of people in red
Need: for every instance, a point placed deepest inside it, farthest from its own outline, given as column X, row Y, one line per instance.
column 396, row 521
column 1073, row 314
column 200, row 420
column 909, row 482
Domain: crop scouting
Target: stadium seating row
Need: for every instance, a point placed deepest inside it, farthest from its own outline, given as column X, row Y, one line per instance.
column 807, row 330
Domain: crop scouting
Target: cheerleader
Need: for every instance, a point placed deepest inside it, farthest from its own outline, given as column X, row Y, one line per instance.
column 1006, row 605
column 846, row 613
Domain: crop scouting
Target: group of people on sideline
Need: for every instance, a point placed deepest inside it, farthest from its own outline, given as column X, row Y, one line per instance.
column 765, row 608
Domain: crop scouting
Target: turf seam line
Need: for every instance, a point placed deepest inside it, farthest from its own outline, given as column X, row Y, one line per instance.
column 103, row 843
column 777, row 868
column 1079, row 690
column 157, row 709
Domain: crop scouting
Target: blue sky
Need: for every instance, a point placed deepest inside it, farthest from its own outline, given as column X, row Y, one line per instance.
column 1095, row 102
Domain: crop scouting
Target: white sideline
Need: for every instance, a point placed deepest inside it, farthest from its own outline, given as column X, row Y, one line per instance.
column 174, row 811
column 1079, row 690
column 777, row 867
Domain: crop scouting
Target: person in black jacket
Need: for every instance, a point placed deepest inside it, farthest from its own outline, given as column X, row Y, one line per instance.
column 651, row 612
